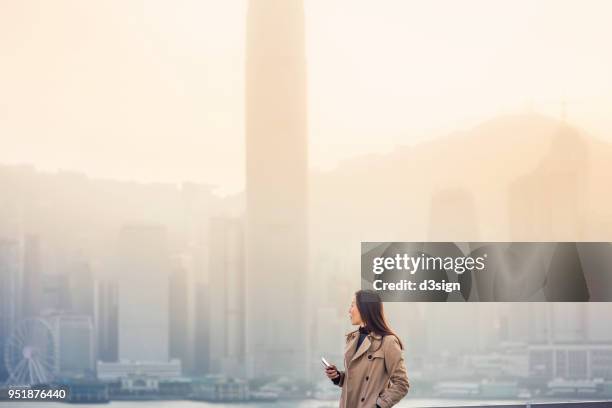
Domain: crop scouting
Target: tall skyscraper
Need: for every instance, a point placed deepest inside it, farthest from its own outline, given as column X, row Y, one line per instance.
column 570, row 322
column 201, row 352
column 107, row 320
column 56, row 296
column 82, row 288
column 32, row 277
column 558, row 322
column 9, row 295
column 143, row 293
column 179, row 316
column 227, row 322
column 276, row 188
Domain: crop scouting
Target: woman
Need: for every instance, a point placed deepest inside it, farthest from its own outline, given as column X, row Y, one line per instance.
column 375, row 374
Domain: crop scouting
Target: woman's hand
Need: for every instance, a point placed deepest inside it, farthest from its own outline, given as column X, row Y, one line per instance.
column 332, row 372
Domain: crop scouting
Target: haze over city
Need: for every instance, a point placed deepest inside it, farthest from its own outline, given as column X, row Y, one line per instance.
column 154, row 91
column 231, row 162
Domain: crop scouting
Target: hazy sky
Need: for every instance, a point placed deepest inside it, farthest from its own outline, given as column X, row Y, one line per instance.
column 153, row 90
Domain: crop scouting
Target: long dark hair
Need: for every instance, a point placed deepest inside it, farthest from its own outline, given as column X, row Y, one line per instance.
column 372, row 313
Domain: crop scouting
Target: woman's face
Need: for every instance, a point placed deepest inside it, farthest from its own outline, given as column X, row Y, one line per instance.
column 354, row 313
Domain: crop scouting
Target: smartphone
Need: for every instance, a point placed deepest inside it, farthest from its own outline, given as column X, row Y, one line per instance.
column 325, row 363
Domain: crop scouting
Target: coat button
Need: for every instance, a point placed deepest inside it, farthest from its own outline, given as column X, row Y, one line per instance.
column 363, row 399
column 370, row 357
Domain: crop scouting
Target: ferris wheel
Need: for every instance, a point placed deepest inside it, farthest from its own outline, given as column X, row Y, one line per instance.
column 30, row 353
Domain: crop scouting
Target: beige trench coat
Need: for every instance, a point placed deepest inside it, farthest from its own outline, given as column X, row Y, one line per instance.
column 374, row 374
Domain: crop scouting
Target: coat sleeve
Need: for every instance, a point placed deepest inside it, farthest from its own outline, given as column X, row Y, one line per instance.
column 339, row 381
column 394, row 364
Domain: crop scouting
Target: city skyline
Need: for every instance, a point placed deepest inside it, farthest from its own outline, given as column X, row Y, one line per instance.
column 268, row 140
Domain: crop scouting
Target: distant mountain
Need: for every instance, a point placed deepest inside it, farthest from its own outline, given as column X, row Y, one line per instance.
column 466, row 186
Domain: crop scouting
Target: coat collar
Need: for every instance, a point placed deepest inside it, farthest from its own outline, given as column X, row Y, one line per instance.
column 355, row 333
column 363, row 347
column 351, row 333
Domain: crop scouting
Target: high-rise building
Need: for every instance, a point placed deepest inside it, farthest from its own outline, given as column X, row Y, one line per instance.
column 56, row 297
column 540, row 323
column 82, row 288
column 558, row 322
column 276, row 188
column 227, row 276
column 179, row 316
column 514, row 322
column 107, row 320
column 143, row 279
column 570, row 322
column 598, row 314
column 9, row 295
column 32, row 277
column 201, row 350
column 75, row 345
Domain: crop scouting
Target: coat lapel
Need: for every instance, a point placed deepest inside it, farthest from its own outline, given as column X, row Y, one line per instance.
column 350, row 349
column 365, row 344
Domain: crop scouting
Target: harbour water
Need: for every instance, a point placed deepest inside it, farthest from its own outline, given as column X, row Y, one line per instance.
column 409, row 403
